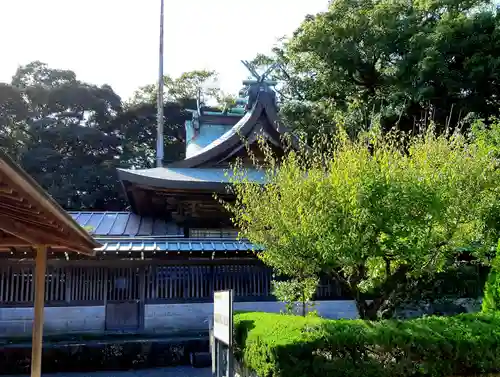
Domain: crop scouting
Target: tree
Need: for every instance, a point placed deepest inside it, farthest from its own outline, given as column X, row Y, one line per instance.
column 61, row 131
column 138, row 122
column 187, row 86
column 374, row 213
column 71, row 135
column 408, row 61
column 13, row 114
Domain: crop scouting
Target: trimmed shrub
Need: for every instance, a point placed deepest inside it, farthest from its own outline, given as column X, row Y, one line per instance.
column 275, row 345
column 491, row 299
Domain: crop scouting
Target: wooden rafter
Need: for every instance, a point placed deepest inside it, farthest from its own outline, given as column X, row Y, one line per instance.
column 35, row 234
column 29, row 214
column 9, row 241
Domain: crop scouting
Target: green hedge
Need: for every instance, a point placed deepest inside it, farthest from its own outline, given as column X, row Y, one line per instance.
column 491, row 299
column 283, row 345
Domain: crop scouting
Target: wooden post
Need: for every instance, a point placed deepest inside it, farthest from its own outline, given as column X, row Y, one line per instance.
column 143, row 274
column 36, row 350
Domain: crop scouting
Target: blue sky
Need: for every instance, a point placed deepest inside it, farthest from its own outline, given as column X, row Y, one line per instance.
column 116, row 41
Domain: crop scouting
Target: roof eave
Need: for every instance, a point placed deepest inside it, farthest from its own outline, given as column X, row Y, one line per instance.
column 142, row 180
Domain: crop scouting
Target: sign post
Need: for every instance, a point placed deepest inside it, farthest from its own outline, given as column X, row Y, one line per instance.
column 222, row 348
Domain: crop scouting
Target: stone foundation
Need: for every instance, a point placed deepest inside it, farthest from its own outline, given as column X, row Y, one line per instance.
column 166, row 318
column 160, row 318
column 181, row 317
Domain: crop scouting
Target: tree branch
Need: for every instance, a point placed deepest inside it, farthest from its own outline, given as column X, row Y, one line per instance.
column 339, row 277
column 387, row 266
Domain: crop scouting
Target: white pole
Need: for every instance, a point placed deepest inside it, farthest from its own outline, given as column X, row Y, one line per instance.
column 159, row 135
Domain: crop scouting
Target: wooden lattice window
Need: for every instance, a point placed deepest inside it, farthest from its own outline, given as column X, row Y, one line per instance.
column 213, row 233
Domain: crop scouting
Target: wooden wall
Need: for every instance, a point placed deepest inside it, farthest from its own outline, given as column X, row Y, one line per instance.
column 72, row 283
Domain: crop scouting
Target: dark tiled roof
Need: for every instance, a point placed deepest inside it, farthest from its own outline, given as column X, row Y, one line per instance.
column 125, row 224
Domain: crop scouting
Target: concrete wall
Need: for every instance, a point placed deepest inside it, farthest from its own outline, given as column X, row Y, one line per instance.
column 175, row 317
column 19, row 321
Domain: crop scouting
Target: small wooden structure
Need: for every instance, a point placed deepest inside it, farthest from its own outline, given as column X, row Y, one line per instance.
column 29, row 217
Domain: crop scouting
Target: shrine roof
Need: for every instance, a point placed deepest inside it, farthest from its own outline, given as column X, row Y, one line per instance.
column 204, row 170
column 261, row 120
column 199, row 171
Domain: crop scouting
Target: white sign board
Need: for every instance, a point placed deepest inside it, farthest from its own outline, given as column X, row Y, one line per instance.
column 223, row 316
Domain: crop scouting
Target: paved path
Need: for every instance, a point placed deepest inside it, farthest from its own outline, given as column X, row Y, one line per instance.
column 158, row 372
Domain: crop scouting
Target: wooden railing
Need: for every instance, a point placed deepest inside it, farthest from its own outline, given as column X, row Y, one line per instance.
column 69, row 284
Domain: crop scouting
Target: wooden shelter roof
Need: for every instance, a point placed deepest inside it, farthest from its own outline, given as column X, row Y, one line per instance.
column 29, row 216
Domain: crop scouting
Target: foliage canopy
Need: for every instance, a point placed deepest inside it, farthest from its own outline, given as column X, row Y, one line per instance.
column 406, row 61
column 375, row 212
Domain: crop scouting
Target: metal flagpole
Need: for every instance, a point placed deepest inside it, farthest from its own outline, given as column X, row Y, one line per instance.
column 159, row 135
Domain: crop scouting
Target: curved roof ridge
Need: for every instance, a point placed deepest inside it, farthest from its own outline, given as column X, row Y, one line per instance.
column 224, row 136
column 263, row 104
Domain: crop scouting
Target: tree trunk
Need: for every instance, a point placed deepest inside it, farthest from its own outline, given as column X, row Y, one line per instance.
column 376, row 309
column 363, row 310
column 383, row 306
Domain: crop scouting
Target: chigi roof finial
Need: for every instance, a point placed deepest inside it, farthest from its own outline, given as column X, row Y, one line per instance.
column 258, row 84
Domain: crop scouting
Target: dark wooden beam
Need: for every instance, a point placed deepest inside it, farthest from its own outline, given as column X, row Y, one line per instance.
column 17, row 202
column 22, row 210
column 6, row 190
column 120, row 262
column 13, row 242
column 38, row 221
column 11, row 197
column 182, row 192
column 139, row 200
